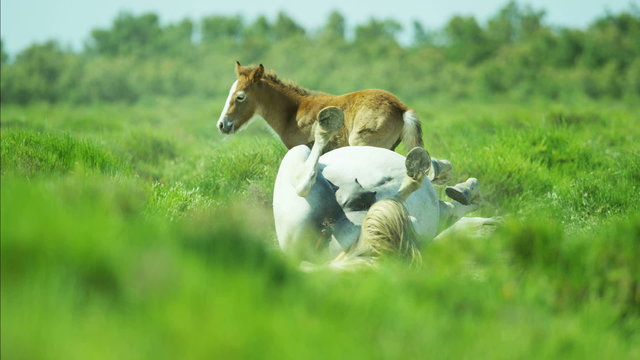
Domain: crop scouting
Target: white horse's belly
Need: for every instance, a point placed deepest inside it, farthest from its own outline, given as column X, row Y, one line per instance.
column 373, row 165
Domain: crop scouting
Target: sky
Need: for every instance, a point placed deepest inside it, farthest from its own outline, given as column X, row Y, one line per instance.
column 24, row 22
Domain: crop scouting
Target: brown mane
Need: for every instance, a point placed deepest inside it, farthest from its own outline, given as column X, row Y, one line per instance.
column 271, row 76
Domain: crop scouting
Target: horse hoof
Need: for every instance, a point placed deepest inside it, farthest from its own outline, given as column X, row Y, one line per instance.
column 417, row 163
column 440, row 172
column 465, row 193
column 331, row 119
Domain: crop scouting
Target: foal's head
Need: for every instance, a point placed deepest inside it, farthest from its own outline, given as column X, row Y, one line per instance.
column 242, row 103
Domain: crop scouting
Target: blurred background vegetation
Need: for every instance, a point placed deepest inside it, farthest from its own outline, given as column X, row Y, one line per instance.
column 131, row 229
column 514, row 54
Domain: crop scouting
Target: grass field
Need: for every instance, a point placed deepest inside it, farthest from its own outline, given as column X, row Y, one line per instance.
column 138, row 231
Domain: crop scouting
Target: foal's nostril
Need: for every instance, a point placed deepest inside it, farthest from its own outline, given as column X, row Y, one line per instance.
column 220, row 125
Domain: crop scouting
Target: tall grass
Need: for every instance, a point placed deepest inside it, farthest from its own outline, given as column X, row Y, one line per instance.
column 139, row 232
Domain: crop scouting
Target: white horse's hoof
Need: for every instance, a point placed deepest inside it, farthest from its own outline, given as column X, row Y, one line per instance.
column 465, row 193
column 331, row 119
column 417, row 163
column 440, row 172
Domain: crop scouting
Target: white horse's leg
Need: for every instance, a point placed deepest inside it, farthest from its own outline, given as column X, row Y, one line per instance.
column 417, row 164
column 471, row 227
column 329, row 121
column 465, row 193
column 451, row 212
column 440, row 172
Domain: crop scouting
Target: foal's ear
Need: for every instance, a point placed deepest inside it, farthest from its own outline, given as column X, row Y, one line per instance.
column 256, row 74
column 238, row 66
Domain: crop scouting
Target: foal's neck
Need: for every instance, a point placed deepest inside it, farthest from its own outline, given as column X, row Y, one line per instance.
column 278, row 107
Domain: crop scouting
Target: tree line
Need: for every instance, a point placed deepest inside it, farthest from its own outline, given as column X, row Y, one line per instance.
column 514, row 54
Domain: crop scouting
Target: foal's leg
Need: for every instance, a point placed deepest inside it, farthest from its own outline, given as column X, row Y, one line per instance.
column 417, row 164
column 329, row 121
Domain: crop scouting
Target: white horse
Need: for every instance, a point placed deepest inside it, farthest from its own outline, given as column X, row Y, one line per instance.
column 320, row 201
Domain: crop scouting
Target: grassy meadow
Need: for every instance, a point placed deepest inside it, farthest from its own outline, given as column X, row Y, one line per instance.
column 137, row 231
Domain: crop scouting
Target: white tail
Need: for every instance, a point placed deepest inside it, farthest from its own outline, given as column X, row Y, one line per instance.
column 412, row 130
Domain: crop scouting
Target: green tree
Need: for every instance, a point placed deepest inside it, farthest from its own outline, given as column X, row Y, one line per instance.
column 336, row 26
column 260, row 29
column 4, row 57
column 285, row 27
column 612, row 38
column 466, row 41
column 569, row 45
column 175, row 39
column 36, row 74
column 378, row 31
column 421, row 36
column 110, row 80
column 514, row 23
column 129, row 34
column 217, row 27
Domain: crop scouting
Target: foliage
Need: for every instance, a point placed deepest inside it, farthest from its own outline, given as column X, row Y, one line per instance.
column 514, row 55
column 40, row 72
column 141, row 36
column 3, row 55
column 466, row 41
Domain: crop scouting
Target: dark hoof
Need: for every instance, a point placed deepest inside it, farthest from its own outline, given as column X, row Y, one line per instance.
column 331, row 119
column 417, row 163
column 465, row 193
column 440, row 172
column 460, row 195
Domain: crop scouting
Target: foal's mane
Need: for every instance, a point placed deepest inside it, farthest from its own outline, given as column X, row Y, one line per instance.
column 287, row 85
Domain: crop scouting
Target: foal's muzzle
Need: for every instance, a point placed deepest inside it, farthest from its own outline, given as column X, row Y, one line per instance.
column 225, row 126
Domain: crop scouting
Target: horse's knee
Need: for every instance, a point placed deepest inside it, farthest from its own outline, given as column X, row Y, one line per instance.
column 296, row 156
column 303, row 180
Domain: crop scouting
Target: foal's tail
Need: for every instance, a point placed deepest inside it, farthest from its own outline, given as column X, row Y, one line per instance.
column 411, row 130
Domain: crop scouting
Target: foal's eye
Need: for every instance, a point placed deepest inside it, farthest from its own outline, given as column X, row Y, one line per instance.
column 241, row 97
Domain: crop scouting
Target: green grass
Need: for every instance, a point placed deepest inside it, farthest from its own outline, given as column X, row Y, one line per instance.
column 139, row 232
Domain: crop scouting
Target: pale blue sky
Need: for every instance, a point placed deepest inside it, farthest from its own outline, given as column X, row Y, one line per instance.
column 70, row 21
